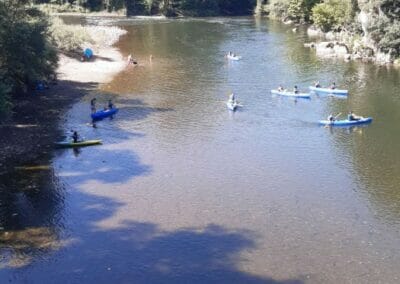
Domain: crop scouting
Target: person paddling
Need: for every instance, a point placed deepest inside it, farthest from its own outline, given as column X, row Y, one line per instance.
column 317, row 84
column 110, row 104
column 280, row 88
column 333, row 86
column 351, row 116
column 75, row 137
column 93, row 105
column 295, row 90
column 232, row 98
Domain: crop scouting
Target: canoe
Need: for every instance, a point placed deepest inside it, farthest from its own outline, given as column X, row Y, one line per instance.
column 98, row 115
column 235, row 58
column 232, row 105
column 291, row 94
column 78, row 144
column 329, row 91
column 346, row 122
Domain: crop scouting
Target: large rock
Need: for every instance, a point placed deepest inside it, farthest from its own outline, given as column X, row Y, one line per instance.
column 332, row 49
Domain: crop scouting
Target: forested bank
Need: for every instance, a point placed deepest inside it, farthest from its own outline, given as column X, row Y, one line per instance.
column 156, row 7
column 367, row 29
column 27, row 53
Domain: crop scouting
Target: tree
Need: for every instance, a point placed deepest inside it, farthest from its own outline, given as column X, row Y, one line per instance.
column 26, row 54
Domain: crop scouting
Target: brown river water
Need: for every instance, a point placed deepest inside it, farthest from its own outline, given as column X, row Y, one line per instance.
column 184, row 191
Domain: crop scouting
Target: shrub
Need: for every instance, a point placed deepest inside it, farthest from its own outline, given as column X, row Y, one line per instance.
column 332, row 14
column 26, row 53
column 68, row 38
column 278, row 8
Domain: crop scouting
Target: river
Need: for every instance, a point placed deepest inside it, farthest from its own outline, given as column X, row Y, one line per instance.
column 183, row 190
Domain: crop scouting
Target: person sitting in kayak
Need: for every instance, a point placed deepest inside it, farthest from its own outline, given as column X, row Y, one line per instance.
column 317, row 84
column 110, row 104
column 331, row 118
column 131, row 60
column 93, row 105
column 295, row 90
column 75, row 137
column 232, row 98
column 351, row 116
column 333, row 86
column 281, row 89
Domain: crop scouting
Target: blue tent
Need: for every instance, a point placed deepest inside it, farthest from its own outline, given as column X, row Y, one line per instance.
column 88, row 53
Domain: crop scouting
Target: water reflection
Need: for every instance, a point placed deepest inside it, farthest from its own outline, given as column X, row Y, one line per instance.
column 184, row 191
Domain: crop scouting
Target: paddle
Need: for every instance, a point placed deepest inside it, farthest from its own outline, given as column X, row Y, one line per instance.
column 326, row 126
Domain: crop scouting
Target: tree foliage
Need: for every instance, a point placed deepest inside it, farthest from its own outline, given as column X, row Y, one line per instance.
column 332, row 14
column 26, row 54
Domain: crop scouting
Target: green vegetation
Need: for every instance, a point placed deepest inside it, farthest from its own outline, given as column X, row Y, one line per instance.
column 385, row 29
column 332, row 14
column 151, row 7
column 68, row 38
column 26, row 52
column 383, row 26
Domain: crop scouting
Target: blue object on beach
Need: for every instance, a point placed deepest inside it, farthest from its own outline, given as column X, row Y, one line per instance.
column 98, row 115
column 88, row 53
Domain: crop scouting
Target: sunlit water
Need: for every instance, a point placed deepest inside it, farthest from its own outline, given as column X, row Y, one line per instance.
column 183, row 190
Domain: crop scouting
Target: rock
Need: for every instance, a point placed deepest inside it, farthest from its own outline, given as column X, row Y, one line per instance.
column 314, row 32
column 383, row 58
column 341, row 50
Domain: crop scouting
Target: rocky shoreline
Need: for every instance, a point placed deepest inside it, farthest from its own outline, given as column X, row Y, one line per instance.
column 347, row 46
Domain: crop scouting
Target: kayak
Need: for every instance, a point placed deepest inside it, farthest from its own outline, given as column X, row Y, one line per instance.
column 78, row 144
column 232, row 105
column 291, row 94
column 346, row 122
column 329, row 91
column 232, row 57
column 98, row 115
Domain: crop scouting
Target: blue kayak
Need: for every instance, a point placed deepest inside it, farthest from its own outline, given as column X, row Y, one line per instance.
column 346, row 122
column 98, row 115
column 329, row 91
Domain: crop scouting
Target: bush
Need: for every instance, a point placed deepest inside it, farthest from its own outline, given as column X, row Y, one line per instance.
column 332, row 14
column 278, row 8
column 26, row 53
column 68, row 38
column 386, row 33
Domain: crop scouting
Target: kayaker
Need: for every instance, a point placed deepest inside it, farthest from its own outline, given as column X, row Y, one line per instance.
column 110, row 104
column 131, row 60
column 232, row 97
column 333, row 86
column 280, row 88
column 295, row 90
column 75, row 136
column 317, row 84
column 93, row 105
column 351, row 116
column 331, row 118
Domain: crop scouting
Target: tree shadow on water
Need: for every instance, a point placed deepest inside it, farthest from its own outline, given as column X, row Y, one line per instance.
column 101, row 164
column 138, row 252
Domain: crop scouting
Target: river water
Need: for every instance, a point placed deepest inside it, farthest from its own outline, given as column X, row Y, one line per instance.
column 183, row 190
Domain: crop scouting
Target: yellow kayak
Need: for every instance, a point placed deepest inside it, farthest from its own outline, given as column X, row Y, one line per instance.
column 78, row 144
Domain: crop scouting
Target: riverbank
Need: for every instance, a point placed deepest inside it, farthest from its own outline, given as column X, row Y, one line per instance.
column 32, row 127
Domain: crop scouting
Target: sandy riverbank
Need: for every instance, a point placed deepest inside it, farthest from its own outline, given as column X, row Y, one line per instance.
column 28, row 134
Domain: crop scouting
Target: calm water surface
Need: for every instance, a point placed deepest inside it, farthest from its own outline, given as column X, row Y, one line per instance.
column 185, row 191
